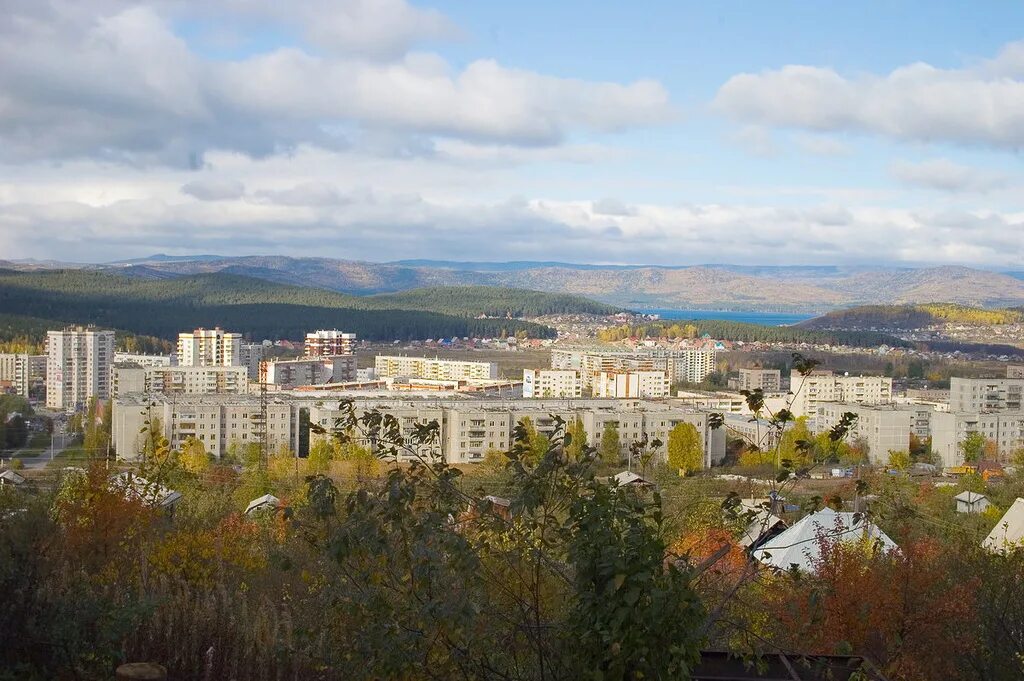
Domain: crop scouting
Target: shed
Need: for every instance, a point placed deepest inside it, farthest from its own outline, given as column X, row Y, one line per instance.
column 971, row 502
column 149, row 493
column 800, row 545
column 10, row 477
column 630, row 479
column 267, row 501
column 1009, row 531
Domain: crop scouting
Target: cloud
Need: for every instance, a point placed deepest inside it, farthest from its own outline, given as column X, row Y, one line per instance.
column 124, row 87
column 214, row 189
column 822, row 145
column 980, row 104
column 944, row 175
column 611, row 207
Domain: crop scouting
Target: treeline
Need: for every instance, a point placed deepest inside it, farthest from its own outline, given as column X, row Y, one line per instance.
column 748, row 333
column 493, row 301
column 256, row 308
column 911, row 317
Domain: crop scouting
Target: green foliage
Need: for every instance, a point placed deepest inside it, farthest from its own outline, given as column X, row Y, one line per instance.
column 319, row 459
column 742, row 331
column 899, row 460
column 685, row 451
column 262, row 309
column 471, row 301
column 972, row 447
column 911, row 316
column 577, row 434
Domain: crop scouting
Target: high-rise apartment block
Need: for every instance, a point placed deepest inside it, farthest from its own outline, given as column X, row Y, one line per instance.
column 209, row 347
column 768, row 380
column 394, row 366
column 78, row 364
column 819, row 387
column 652, row 384
column 250, row 355
column 678, row 364
column 551, row 383
column 327, row 342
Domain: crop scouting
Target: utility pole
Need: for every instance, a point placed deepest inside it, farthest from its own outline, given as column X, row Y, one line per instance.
column 261, row 422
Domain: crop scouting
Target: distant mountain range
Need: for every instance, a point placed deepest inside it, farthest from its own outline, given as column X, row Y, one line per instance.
column 732, row 287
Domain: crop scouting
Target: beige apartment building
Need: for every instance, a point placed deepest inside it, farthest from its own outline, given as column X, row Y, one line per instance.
column 883, row 427
column 21, row 371
column 468, row 427
column 678, row 364
column 131, row 378
column 819, row 387
column 209, row 347
column 328, row 342
column 394, row 366
column 78, row 364
column 552, row 383
column 292, row 373
column 621, row 384
column 768, row 380
column 985, row 394
column 949, row 429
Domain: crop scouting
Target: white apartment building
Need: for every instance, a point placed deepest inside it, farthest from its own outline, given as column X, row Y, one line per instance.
column 949, row 429
column 20, row 371
column 552, row 383
column 730, row 402
column 620, row 384
column 883, row 427
column 250, row 355
column 685, row 364
column 328, row 342
column 144, row 360
column 811, row 391
column 768, row 380
column 394, row 366
column 468, row 427
column 1015, row 370
column 291, row 373
column 180, row 380
column 758, row 432
column 985, row 394
column 209, row 347
column 78, row 364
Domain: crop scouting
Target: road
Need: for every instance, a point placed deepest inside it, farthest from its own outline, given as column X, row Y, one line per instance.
column 61, row 441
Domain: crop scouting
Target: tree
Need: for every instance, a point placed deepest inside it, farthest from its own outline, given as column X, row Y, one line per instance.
column 610, row 449
column 319, row 459
column 972, row 447
column 899, row 460
column 577, row 434
column 685, row 450
column 194, row 458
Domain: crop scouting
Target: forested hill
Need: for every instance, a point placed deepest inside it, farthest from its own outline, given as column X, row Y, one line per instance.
column 911, row 317
column 493, row 302
column 262, row 309
column 742, row 331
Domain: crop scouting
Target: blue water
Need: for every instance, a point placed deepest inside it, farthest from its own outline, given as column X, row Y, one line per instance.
column 762, row 318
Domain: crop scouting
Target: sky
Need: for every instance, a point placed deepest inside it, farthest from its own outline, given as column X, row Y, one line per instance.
column 674, row 133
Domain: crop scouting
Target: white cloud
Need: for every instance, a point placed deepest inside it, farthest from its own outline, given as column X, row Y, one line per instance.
column 822, row 145
column 980, row 104
column 945, row 175
column 214, row 189
column 97, row 81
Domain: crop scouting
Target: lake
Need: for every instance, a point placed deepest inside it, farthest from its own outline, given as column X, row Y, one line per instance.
column 762, row 318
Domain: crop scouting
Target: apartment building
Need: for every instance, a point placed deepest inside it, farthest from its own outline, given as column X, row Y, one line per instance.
column 726, row 401
column 250, row 355
column 144, row 360
column 620, row 384
column 21, row 372
column 756, row 432
column 552, row 383
column 291, row 373
column 209, row 347
column 767, row 380
column 1004, row 428
column 819, row 387
column 78, row 364
column 328, row 342
column 882, row 427
column 131, row 378
column 1015, row 370
column 468, row 427
column 686, row 364
column 985, row 394
column 393, row 366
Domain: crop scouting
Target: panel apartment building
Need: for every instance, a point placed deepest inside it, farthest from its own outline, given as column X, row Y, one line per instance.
column 131, row 378
column 768, row 380
column 78, row 364
column 395, row 366
column 469, row 427
column 292, row 373
column 20, row 372
column 949, row 429
column 814, row 390
column 552, row 383
column 883, row 427
column 620, row 384
column 328, row 342
column 985, row 394
column 687, row 364
column 209, row 347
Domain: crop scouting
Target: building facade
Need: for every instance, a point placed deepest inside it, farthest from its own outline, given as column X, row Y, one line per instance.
column 767, row 380
column 882, row 427
column 21, row 372
column 78, row 362
column 180, row 380
column 949, row 429
column 551, row 383
column 985, row 394
column 621, row 384
column 394, row 366
column 291, row 373
column 678, row 364
column 209, row 347
column 327, row 342
column 818, row 387
column 468, row 428
column 250, row 355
